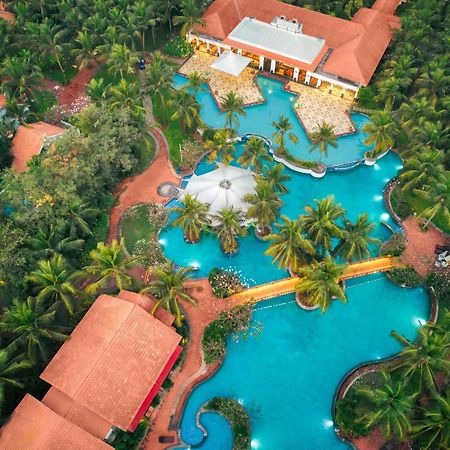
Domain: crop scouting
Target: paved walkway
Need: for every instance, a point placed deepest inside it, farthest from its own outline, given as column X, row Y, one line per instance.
column 193, row 369
column 421, row 244
column 287, row 285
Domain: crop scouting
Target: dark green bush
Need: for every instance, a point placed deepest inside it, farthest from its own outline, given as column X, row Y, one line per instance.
column 156, row 401
column 126, row 440
column 395, row 245
column 237, row 417
column 405, row 276
column 167, row 384
column 224, row 283
column 178, row 47
column 347, row 415
column 208, row 134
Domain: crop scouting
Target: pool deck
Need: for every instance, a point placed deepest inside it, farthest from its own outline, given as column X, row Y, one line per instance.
column 316, row 105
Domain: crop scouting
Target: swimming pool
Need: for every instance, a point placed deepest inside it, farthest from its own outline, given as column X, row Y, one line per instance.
column 259, row 119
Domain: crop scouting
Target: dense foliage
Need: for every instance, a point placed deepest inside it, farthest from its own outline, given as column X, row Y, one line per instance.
column 224, row 283
column 405, row 276
column 178, row 47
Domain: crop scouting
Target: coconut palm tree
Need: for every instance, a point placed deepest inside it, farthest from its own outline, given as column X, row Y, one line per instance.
column 276, row 176
column 437, row 197
column 320, row 223
column 192, row 217
column 421, row 168
column 20, row 77
column 127, row 95
column 230, row 225
column 323, row 139
column 255, row 152
column 428, row 355
column 144, row 15
column 166, row 8
column 382, row 131
column 282, row 128
column 186, row 109
column 232, row 105
column 434, row 84
column 53, row 282
column 190, row 17
column 390, row 91
column 356, row 239
column 168, row 287
column 390, row 406
column 33, row 328
column 11, row 366
column 81, row 217
column 196, row 81
column 289, row 248
column 221, row 146
column 319, row 282
column 433, row 133
column 121, row 61
column 110, row 266
column 97, row 90
column 415, row 112
column 265, row 206
column 431, row 429
column 86, row 49
column 158, row 79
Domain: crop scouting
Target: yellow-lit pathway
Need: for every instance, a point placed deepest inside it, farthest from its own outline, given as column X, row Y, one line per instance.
column 287, row 285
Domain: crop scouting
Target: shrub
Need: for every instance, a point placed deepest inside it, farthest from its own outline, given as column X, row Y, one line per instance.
column 235, row 320
column 405, row 276
column 347, row 414
column 395, row 245
column 439, row 283
column 167, row 384
column 191, row 151
column 237, row 417
column 178, row 47
column 208, row 134
column 366, row 98
column 125, row 440
column 224, row 283
column 298, row 162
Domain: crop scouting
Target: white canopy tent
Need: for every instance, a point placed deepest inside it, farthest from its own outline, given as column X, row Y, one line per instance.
column 231, row 63
column 221, row 188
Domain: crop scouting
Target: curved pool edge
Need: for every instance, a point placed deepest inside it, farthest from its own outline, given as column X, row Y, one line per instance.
column 373, row 366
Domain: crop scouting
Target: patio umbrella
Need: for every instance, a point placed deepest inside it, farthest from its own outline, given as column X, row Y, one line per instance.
column 221, row 188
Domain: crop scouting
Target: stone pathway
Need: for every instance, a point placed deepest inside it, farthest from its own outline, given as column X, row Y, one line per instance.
column 420, row 246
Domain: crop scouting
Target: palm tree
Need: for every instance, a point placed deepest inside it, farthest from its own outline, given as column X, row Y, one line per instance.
column 193, row 218
column 20, row 77
column 86, row 49
column 433, row 133
column 382, row 130
column 265, row 206
column 414, row 112
column 111, row 266
column 230, row 224
column 432, row 429
column 121, row 60
column 189, row 18
column 158, row 79
column 289, row 249
column 437, row 197
column 232, row 105
column 277, row 177
column 390, row 90
column 320, row 222
column 126, row 94
column 54, row 283
column 422, row 168
column 186, row 109
column 196, row 81
column 97, row 90
column 434, row 84
column 221, row 146
column 389, row 406
column 320, row 283
column 32, row 327
column 144, row 15
column 166, row 8
column 323, row 139
column 10, row 368
column 283, row 127
column 255, row 151
column 81, row 215
column 425, row 357
column 355, row 240
column 168, row 287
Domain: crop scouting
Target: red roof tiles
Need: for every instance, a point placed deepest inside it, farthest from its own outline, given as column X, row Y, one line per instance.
column 33, row 426
column 28, row 142
column 2, row 101
column 110, row 363
column 358, row 45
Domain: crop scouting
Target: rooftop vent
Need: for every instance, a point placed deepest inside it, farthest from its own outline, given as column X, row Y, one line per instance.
column 289, row 25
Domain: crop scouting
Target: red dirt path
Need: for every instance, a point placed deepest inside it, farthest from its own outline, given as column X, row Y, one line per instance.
column 143, row 187
column 72, row 98
column 420, row 245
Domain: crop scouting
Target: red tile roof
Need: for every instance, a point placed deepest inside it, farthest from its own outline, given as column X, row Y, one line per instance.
column 33, row 426
column 28, row 142
column 110, row 363
column 2, row 101
column 358, row 45
column 9, row 16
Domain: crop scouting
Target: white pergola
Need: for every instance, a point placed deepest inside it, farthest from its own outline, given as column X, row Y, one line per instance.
column 223, row 187
column 231, row 63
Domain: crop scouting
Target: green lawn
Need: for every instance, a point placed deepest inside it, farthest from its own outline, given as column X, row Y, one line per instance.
column 136, row 226
column 146, row 155
column 55, row 74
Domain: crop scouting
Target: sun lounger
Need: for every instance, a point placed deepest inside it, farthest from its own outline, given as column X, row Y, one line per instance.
column 443, row 256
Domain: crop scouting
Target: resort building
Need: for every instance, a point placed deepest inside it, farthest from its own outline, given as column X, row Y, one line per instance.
column 103, row 377
column 303, row 45
column 29, row 140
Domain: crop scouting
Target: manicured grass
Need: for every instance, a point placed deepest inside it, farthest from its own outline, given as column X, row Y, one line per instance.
column 110, row 79
column 146, row 154
column 55, row 74
column 136, row 225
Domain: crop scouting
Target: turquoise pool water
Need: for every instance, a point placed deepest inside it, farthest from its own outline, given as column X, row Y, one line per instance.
column 286, row 376
column 259, row 119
